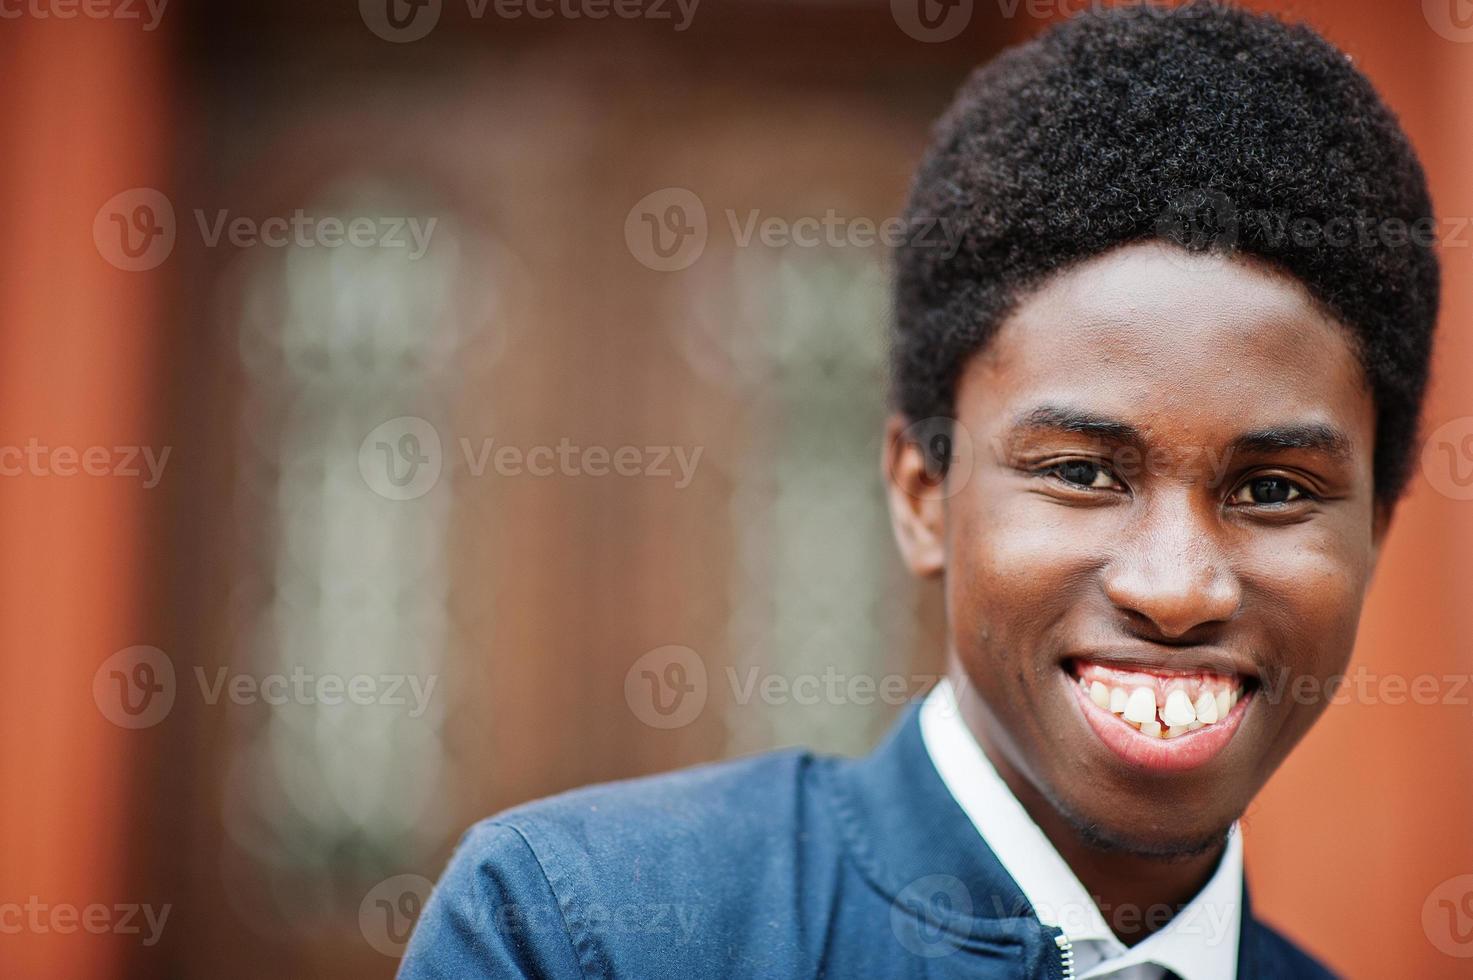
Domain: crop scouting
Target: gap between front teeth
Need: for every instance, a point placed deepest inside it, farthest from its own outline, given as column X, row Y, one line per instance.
column 1179, row 715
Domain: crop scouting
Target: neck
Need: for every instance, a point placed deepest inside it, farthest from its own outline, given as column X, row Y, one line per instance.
column 1136, row 894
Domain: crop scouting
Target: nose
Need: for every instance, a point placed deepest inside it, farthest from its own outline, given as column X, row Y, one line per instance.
column 1173, row 571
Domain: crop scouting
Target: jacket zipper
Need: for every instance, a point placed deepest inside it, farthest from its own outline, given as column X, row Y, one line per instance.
column 1066, row 955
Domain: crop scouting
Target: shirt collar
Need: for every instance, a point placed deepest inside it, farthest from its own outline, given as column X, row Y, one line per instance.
column 1199, row 943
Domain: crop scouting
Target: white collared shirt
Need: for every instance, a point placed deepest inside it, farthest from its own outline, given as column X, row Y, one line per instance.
column 1199, row 943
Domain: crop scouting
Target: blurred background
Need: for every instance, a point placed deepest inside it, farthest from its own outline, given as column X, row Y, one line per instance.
column 405, row 388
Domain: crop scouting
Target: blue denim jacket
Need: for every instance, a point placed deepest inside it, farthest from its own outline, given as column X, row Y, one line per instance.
column 781, row 865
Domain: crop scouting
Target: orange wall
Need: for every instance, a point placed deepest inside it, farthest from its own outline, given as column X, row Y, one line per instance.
column 79, row 341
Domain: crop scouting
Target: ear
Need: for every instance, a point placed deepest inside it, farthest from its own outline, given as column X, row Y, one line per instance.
column 1381, row 514
column 915, row 486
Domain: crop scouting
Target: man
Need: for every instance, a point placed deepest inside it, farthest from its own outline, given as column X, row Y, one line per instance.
column 1153, row 419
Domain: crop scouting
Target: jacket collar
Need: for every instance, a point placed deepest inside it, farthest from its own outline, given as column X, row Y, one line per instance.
column 902, row 826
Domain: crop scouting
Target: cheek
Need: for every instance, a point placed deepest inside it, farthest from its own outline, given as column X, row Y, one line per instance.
column 1311, row 590
column 1010, row 566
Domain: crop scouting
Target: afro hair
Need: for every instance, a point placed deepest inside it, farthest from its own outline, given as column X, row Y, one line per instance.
column 1203, row 125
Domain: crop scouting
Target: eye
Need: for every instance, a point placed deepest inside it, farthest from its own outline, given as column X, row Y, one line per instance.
column 1083, row 473
column 1268, row 491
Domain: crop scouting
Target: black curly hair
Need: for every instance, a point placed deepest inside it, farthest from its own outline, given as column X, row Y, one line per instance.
column 1207, row 126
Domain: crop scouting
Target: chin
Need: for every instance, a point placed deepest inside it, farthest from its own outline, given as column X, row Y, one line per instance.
column 1144, row 838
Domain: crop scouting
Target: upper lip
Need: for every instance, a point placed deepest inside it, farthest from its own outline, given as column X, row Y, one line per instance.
column 1170, row 660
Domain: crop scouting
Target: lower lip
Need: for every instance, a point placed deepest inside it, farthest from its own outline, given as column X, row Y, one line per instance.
column 1186, row 751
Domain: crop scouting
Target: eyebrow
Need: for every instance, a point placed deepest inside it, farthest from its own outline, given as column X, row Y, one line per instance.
column 1312, row 436
column 1062, row 418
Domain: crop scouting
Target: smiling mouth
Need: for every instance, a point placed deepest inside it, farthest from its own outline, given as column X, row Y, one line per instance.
column 1160, row 719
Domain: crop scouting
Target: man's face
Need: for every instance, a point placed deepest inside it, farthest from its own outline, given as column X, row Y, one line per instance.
column 1169, row 491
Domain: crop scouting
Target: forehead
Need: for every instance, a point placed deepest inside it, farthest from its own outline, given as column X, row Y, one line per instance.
column 1174, row 344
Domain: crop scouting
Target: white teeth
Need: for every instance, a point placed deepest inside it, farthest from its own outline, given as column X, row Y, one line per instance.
column 1180, row 714
column 1177, row 711
column 1142, row 706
